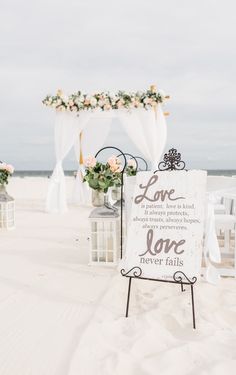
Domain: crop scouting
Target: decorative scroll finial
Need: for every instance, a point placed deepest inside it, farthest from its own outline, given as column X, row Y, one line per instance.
column 171, row 161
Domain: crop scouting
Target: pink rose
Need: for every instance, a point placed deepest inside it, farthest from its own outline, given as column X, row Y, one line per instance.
column 3, row 166
column 115, row 168
column 90, row 162
column 112, row 161
column 114, row 164
column 107, row 107
column 131, row 163
column 10, row 168
column 119, row 104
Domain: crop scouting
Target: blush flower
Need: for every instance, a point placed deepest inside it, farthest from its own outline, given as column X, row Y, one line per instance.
column 90, row 162
column 131, row 163
column 3, row 166
column 10, row 168
column 112, row 161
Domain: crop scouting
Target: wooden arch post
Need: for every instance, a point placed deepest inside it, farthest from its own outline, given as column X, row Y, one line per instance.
column 81, row 158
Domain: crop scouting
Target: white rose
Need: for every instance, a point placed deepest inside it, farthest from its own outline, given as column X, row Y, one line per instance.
column 101, row 103
column 65, row 98
column 112, row 96
column 139, row 93
column 162, row 93
column 93, row 101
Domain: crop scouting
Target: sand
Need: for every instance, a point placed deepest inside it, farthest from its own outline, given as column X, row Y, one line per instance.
column 59, row 316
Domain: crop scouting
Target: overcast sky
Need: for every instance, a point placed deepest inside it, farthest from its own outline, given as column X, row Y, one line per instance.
column 186, row 47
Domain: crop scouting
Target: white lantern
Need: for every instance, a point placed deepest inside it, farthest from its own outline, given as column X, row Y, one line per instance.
column 105, row 236
column 7, row 210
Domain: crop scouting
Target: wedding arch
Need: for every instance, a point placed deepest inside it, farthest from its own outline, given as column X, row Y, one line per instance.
column 77, row 125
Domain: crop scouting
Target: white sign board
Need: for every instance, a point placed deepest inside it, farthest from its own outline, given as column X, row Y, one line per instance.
column 165, row 234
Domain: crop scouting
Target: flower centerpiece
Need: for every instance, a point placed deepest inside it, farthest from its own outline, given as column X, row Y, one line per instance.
column 131, row 168
column 101, row 176
column 6, row 170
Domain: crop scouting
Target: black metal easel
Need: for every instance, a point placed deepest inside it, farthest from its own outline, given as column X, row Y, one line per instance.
column 171, row 161
column 144, row 162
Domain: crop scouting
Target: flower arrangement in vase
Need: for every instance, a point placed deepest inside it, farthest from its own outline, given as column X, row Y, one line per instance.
column 131, row 168
column 102, row 176
column 6, row 170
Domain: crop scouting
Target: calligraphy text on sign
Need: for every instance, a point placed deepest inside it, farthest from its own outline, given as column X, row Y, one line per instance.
column 161, row 245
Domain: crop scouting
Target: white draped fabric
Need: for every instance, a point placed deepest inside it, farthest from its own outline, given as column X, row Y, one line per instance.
column 94, row 136
column 67, row 127
column 64, row 140
column 146, row 128
column 81, row 192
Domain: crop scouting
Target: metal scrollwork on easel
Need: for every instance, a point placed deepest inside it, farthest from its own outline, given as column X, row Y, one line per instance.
column 171, row 161
column 133, row 272
column 180, row 277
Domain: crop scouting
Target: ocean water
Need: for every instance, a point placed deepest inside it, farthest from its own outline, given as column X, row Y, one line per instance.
column 211, row 172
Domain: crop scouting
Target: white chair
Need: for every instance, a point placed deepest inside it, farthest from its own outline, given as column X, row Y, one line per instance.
column 216, row 184
column 219, row 208
column 226, row 224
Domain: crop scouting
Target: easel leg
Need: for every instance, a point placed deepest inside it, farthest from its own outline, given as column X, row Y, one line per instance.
column 193, row 308
column 121, row 221
column 128, row 297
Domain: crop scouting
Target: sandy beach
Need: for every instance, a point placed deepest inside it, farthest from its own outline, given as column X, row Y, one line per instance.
column 59, row 316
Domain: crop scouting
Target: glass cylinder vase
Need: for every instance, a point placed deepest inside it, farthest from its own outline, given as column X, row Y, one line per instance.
column 97, row 198
column 116, row 193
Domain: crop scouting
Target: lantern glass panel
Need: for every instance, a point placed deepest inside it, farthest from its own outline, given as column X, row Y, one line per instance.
column 110, row 245
column 110, row 256
column 100, row 226
column 94, row 226
column 101, row 240
column 94, row 256
column 104, row 243
column 94, row 241
column 102, row 256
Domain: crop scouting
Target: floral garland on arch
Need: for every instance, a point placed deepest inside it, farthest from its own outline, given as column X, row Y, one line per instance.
column 105, row 101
